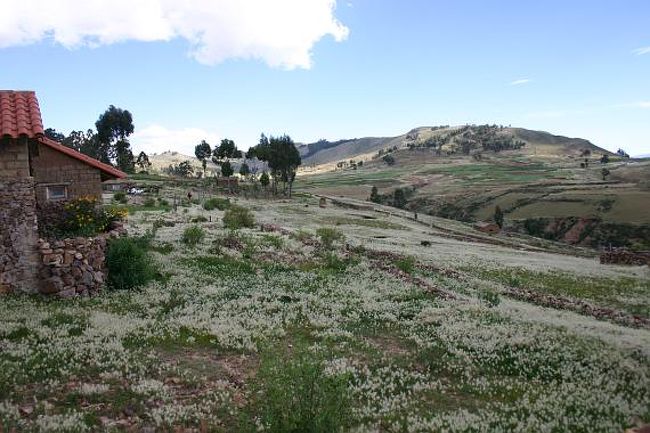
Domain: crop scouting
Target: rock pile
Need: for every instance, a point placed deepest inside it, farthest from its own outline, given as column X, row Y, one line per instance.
column 74, row 266
column 621, row 256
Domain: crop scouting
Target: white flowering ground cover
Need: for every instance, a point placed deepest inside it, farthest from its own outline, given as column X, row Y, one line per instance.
column 425, row 340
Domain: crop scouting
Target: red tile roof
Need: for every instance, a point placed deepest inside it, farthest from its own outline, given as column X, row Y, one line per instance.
column 105, row 168
column 20, row 115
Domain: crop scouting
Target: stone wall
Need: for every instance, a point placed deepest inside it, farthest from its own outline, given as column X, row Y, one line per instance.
column 18, row 229
column 50, row 167
column 75, row 266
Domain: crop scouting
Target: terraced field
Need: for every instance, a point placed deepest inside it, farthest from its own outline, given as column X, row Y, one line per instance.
column 399, row 326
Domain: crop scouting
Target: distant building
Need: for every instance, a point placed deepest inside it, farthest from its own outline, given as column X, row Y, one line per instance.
column 487, row 227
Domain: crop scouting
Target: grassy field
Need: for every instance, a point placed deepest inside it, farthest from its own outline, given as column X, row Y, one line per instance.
column 275, row 331
column 523, row 185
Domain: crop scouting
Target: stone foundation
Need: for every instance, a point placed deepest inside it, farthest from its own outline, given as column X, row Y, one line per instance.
column 621, row 256
column 18, row 236
column 75, row 266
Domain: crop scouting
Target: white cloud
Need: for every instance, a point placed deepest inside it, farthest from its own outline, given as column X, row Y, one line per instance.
column 158, row 139
column 520, row 82
column 641, row 51
column 282, row 33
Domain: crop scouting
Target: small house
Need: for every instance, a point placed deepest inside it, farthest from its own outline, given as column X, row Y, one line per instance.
column 488, row 227
column 33, row 170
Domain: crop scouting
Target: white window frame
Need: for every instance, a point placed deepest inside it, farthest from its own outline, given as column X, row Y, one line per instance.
column 50, row 196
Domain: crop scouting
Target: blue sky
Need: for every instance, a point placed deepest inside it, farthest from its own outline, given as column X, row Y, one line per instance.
column 315, row 69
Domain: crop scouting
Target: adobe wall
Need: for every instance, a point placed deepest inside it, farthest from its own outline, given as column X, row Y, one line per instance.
column 52, row 167
column 18, row 229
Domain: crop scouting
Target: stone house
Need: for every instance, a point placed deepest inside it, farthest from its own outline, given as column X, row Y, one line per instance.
column 487, row 227
column 34, row 169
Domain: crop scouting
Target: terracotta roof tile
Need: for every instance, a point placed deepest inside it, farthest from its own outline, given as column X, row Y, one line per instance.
column 20, row 115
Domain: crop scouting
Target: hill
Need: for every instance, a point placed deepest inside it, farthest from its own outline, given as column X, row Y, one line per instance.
column 161, row 161
column 448, row 140
column 547, row 185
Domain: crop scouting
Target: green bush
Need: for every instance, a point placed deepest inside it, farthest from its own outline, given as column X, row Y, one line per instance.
column 407, row 265
column 128, row 263
column 120, row 197
column 295, row 394
column 237, row 217
column 273, row 241
column 332, row 262
column 163, row 223
column 302, row 235
column 192, row 236
column 216, row 203
column 328, row 236
column 149, row 202
column 489, row 297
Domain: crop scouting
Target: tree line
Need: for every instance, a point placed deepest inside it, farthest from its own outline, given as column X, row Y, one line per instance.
column 278, row 153
column 108, row 142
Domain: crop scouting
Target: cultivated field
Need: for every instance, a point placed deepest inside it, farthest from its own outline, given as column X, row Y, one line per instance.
column 398, row 326
column 523, row 185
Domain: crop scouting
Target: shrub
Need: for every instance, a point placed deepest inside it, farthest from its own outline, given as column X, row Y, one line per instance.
column 332, row 262
column 328, row 236
column 389, row 159
column 216, row 203
column 302, row 236
column 237, row 217
column 407, row 265
column 128, row 263
column 295, row 394
column 149, row 202
column 273, row 241
column 163, row 223
column 78, row 217
column 163, row 202
column 192, row 236
column 120, row 197
column 199, row 219
column 489, row 297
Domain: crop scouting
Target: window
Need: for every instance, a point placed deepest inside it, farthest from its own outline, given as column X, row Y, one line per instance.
column 57, row 192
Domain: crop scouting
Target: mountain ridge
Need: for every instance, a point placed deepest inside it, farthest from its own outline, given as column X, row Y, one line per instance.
column 325, row 152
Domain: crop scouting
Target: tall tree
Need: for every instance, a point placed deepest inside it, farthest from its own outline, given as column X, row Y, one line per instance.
column 222, row 154
column 399, row 198
column 226, row 169
column 374, row 195
column 84, row 142
column 203, row 151
column 498, row 216
column 264, row 180
column 53, row 134
column 282, row 158
column 244, row 170
column 143, row 162
column 124, row 156
column 114, row 126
